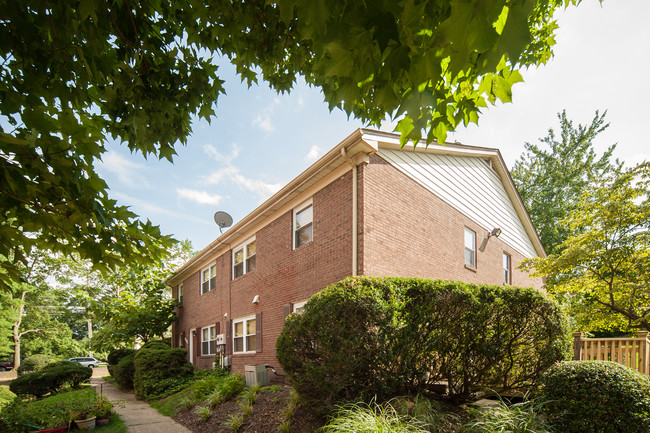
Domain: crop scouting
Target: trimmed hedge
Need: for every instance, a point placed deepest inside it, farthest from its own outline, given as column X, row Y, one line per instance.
column 51, row 379
column 160, row 371
column 596, row 397
column 366, row 337
column 35, row 363
column 124, row 371
column 115, row 356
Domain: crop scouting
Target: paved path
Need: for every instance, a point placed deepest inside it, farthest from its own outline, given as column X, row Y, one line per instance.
column 138, row 416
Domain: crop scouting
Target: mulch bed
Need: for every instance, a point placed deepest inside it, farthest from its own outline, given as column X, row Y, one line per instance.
column 266, row 416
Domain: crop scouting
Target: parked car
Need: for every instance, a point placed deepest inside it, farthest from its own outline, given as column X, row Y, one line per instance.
column 6, row 365
column 86, row 362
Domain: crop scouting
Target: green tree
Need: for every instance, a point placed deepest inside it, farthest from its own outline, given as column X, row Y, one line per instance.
column 604, row 270
column 75, row 74
column 137, row 303
column 552, row 177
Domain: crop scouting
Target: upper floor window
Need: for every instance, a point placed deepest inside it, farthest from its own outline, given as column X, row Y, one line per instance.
column 244, row 335
column 507, row 268
column 180, row 293
column 303, row 218
column 208, row 278
column 208, row 340
column 243, row 259
column 470, row 248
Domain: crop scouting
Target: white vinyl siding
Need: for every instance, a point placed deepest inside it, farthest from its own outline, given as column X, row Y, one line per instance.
column 471, row 186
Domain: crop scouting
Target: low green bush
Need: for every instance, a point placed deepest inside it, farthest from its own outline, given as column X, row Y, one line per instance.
column 205, row 382
column 35, row 363
column 226, row 388
column 404, row 335
column 51, row 379
column 596, row 397
column 6, row 396
column 124, row 371
column 160, row 371
column 49, row 412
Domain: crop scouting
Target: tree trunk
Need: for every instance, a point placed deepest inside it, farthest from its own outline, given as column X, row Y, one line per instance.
column 16, row 331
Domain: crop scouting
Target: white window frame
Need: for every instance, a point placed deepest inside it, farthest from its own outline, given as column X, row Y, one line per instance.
column 298, row 307
column 209, row 340
column 507, row 268
column 212, row 281
column 296, row 211
column 179, row 293
column 472, row 264
column 244, row 337
column 246, row 263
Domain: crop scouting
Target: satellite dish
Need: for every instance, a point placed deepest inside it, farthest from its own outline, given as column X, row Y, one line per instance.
column 222, row 219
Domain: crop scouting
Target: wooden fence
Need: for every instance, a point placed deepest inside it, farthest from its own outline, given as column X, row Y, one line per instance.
column 630, row 352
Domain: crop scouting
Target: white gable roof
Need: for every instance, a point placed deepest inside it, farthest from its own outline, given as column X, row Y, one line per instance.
column 469, row 184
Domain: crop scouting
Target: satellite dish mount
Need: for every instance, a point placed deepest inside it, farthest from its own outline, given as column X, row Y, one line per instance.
column 223, row 220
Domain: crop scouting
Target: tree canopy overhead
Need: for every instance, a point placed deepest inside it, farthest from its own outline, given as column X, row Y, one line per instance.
column 76, row 73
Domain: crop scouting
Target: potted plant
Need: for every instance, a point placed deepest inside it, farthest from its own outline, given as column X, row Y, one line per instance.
column 103, row 410
column 52, row 424
column 84, row 416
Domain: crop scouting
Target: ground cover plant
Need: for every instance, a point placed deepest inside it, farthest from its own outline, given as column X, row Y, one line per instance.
column 597, row 397
column 405, row 335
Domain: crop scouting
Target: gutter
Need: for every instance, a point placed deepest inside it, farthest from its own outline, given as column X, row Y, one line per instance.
column 355, row 217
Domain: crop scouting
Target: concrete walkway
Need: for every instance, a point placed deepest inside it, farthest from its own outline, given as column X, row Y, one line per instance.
column 138, row 416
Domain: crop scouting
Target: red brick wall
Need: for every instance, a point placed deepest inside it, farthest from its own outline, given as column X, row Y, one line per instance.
column 427, row 242
column 282, row 275
column 394, row 240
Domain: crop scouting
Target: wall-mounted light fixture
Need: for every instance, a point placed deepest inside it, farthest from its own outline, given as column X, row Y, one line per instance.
column 495, row 232
column 256, row 299
column 225, row 315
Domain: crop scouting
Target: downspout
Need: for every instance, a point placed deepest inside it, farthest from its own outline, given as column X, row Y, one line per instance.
column 355, row 200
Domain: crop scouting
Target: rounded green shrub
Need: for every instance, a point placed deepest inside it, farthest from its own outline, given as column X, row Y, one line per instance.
column 35, row 363
column 160, row 370
column 124, row 371
column 115, row 356
column 51, row 379
column 366, row 337
column 596, row 397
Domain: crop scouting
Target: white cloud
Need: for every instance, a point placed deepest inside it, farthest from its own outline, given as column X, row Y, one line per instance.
column 200, row 197
column 264, row 122
column 127, row 171
column 314, row 153
column 225, row 159
column 261, row 188
column 151, row 208
column 221, row 174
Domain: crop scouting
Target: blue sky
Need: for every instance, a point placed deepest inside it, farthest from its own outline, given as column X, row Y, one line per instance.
column 260, row 140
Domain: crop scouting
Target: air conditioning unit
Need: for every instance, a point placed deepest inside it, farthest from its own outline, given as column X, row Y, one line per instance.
column 221, row 339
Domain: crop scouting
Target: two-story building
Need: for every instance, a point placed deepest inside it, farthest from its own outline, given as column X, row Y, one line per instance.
column 367, row 207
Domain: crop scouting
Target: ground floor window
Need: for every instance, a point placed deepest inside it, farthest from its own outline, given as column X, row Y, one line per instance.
column 244, row 335
column 208, row 340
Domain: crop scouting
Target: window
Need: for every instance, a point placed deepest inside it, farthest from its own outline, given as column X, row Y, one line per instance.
column 507, row 275
column 208, row 278
column 244, row 335
column 208, row 340
column 243, row 259
column 298, row 307
column 303, row 218
column 180, row 293
column 470, row 248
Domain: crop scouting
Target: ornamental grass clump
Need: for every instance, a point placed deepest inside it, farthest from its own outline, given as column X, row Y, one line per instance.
column 500, row 417
column 372, row 418
column 596, row 397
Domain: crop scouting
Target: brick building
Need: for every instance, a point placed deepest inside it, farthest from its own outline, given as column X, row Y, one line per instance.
column 365, row 208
